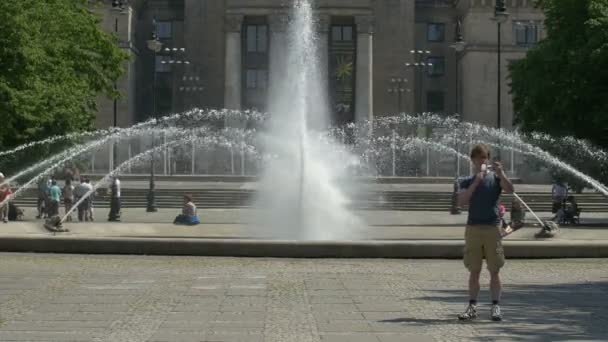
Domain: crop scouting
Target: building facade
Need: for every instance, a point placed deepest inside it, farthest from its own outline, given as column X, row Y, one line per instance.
column 382, row 56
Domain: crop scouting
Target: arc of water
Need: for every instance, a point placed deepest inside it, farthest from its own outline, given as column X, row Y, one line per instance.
column 55, row 138
column 530, row 150
column 215, row 114
column 529, row 209
column 518, row 140
column 71, row 153
column 142, row 156
column 62, row 158
column 418, row 141
column 589, row 150
column 505, row 136
column 550, row 159
column 127, row 133
column 68, row 136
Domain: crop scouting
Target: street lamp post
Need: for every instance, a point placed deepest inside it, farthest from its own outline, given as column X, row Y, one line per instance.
column 118, row 6
column 458, row 46
column 500, row 16
column 176, row 57
column 397, row 87
column 155, row 46
column 419, row 66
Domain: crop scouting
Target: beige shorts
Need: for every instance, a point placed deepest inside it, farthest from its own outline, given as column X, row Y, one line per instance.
column 483, row 242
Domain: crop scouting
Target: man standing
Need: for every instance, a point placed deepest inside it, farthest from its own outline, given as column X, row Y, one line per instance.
column 114, row 200
column 559, row 193
column 43, row 191
column 81, row 191
column 481, row 192
column 68, row 198
column 55, row 198
column 5, row 193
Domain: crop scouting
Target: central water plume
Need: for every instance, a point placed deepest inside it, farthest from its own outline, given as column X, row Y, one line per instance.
column 299, row 192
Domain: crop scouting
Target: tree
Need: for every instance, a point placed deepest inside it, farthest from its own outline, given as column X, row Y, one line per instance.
column 55, row 61
column 561, row 86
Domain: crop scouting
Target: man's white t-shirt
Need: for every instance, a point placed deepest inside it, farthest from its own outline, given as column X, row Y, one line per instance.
column 117, row 182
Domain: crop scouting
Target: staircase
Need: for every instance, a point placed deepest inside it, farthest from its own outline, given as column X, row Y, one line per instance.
column 377, row 200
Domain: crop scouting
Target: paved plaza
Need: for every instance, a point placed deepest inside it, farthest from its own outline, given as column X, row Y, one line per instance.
column 136, row 298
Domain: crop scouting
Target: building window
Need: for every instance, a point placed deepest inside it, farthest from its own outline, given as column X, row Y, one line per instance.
column 526, row 33
column 257, row 38
column 436, row 66
column 435, row 32
column 162, row 64
column 256, row 79
column 342, row 33
column 435, row 101
column 164, row 29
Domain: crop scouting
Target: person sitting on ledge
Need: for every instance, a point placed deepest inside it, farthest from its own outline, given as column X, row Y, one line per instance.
column 517, row 214
column 188, row 216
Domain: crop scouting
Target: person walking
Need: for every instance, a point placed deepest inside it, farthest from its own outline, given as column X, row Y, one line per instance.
column 481, row 192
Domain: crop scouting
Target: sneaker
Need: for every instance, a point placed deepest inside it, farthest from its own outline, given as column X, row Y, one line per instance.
column 496, row 315
column 469, row 314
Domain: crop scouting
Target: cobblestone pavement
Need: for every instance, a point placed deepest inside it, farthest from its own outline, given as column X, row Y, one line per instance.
column 135, row 298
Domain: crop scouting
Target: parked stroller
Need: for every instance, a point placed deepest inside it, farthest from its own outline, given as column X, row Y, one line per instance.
column 14, row 213
column 570, row 213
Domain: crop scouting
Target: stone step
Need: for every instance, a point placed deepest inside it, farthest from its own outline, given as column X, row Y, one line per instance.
column 374, row 206
column 387, row 200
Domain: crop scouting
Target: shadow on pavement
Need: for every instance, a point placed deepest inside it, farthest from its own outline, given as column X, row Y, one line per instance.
column 534, row 312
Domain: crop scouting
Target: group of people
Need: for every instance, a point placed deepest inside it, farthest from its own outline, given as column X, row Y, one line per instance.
column 50, row 196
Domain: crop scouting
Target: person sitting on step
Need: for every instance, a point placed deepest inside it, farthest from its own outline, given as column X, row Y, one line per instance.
column 188, row 216
column 517, row 215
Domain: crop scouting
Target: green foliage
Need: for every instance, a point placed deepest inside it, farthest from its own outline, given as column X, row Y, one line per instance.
column 561, row 86
column 54, row 62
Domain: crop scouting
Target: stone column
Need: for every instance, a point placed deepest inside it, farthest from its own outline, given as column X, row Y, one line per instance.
column 323, row 39
column 233, row 71
column 364, row 102
column 278, row 52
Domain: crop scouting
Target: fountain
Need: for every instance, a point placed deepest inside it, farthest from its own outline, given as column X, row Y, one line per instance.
column 308, row 171
column 298, row 191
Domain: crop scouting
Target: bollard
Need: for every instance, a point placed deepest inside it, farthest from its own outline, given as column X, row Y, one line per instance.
column 455, row 209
